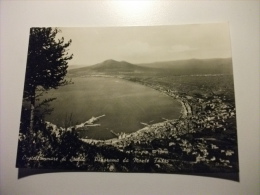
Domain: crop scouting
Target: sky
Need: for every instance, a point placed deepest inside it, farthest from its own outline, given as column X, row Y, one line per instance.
column 137, row 44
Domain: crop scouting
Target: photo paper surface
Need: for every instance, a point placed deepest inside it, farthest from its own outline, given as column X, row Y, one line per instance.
column 153, row 99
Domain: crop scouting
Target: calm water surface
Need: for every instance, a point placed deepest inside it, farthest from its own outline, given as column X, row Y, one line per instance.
column 125, row 104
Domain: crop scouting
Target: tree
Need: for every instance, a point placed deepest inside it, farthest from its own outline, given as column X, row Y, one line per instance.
column 47, row 64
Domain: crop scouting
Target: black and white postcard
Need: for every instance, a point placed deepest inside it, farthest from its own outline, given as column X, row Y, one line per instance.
column 154, row 99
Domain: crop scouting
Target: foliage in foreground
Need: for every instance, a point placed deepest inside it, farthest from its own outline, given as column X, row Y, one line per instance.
column 51, row 147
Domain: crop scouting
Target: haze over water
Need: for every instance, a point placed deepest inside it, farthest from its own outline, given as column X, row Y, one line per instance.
column 125, row 104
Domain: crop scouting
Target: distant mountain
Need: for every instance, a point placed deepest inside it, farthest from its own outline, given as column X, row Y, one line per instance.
column 112, row 66
column 195, row 66
column 180, row 67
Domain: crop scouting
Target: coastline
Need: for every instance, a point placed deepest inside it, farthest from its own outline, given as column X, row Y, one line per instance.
column 139, row 132
column 185, row 111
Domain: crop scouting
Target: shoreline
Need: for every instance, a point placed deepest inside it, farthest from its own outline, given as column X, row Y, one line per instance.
column 185, row 111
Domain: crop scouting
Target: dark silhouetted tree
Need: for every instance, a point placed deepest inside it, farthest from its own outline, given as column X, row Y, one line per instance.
column 47, row 64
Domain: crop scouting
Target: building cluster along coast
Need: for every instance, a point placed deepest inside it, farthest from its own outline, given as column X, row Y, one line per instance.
column 205, row 132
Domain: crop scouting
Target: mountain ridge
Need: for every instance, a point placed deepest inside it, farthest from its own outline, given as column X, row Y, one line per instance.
column 178, row 67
